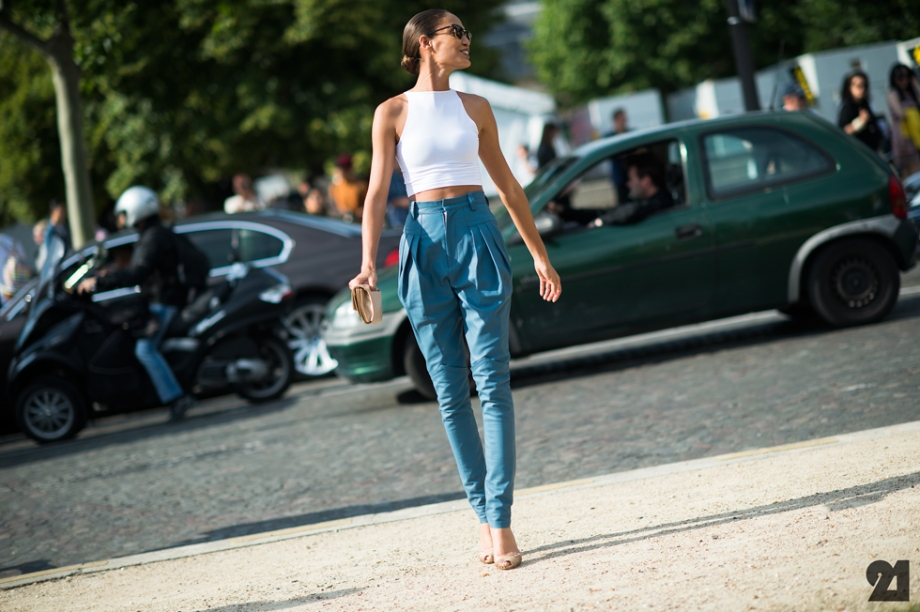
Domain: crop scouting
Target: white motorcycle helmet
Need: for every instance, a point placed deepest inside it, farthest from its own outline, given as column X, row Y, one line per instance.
column 137, row 203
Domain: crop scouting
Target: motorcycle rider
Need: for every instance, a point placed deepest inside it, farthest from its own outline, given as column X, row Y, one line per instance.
column 154, row 264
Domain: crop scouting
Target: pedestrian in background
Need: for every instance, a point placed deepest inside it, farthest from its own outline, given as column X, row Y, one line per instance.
column 347, row 190
column 57, row 223
column 245, row 198
column 38, row 235
column 904, row 107
column 618, row 175
column 856, row 116
column 454, row 272
column 546, row 152
column 525, row 168
column 794, row 99
column 311, row 197
column 15, row 270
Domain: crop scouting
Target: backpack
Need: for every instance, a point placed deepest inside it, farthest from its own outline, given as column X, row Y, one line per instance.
column 193, row 269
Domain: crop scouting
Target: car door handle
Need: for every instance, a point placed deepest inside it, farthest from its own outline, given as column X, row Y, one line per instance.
column 686, row 232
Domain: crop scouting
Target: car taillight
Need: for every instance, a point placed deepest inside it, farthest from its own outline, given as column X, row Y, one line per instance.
column 897, row 197
column 392, row 257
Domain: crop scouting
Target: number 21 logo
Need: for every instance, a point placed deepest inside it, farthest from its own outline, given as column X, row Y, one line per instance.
column 881, row 573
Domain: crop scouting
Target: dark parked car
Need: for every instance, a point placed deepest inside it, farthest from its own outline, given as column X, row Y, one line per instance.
column 319, row 255
column 769, row 210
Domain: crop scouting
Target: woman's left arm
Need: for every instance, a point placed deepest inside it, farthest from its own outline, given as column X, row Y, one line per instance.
column 511, row 194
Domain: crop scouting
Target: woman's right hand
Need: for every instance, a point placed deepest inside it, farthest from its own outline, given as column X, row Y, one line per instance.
column 366, row 277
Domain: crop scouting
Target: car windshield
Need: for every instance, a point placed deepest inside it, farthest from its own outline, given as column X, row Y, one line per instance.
column 544, row 177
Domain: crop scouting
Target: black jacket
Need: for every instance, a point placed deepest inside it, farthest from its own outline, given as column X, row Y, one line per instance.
column 153, row 267
column 871, row 134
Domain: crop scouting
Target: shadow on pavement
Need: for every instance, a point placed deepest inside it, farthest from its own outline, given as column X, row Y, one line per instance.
column 259, row 606
column 28, row 567
column 143, row 431
column 312, row 518
column 838, row 499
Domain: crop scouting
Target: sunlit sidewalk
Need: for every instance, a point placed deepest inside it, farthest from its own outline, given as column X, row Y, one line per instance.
column 792, row 527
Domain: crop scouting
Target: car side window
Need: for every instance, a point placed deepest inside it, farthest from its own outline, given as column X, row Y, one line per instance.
column 255, row 245
column 745, row 160
column 601, row 195
column 217, row 244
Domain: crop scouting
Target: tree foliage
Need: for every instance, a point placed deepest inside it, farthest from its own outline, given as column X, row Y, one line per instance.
column 589, row 48
column 180, row 94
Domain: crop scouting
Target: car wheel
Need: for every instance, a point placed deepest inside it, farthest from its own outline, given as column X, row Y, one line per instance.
column 414, row 364
column 50, row 409
column 304, row 325
column 417, row 369
column 853, row 282
column 281, row 373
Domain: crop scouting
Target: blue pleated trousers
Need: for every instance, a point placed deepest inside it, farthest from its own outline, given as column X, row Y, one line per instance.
column 455, row 282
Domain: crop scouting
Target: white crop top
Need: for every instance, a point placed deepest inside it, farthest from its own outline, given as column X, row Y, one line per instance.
column 439, row 146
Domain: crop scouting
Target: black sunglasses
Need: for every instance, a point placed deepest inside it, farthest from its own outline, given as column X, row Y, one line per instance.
column 455, row 30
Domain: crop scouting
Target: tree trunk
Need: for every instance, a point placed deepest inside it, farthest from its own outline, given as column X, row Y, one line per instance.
column 58, row 52
column 80, row 209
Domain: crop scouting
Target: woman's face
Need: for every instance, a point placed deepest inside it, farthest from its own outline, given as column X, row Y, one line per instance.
column 902, row 78
column 858, row 88
column 446, row 49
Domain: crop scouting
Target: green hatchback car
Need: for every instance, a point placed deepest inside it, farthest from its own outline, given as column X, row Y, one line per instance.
column 766, row 210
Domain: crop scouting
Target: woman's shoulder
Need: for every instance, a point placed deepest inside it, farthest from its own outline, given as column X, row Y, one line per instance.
column 473, row 100
column 477, row 106
column 393, row 106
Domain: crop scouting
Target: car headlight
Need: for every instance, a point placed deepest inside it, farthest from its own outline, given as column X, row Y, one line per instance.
column 345, row 317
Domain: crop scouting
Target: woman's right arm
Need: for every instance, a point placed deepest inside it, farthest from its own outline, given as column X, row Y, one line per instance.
column 375, row 203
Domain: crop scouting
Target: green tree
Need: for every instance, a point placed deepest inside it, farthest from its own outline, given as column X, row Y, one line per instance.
column 180, row 94
column 584, row 49
column 53, row 40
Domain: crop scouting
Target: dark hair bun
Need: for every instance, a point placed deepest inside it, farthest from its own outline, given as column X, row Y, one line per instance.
column 410, row 64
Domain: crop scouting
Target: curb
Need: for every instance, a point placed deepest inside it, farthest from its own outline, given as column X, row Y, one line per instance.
column 453, row 506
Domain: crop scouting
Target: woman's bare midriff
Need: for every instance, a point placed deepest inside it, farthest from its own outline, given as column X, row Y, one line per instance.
column 443, row 193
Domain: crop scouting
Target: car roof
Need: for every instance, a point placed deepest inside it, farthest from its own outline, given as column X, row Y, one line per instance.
column 641, row 135
column 275, row 216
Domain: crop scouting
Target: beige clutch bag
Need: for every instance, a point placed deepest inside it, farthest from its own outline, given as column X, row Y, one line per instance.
column 367, row 303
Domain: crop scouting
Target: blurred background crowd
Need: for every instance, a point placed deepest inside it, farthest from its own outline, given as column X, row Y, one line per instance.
column 269, row 105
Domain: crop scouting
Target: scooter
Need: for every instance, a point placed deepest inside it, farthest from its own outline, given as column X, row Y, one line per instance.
column 75, row 357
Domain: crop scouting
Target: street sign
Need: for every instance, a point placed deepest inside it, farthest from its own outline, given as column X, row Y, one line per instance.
column 799, row 77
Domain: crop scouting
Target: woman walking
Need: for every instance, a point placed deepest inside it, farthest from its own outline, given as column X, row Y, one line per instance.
column 904, row 106
column 454, row 276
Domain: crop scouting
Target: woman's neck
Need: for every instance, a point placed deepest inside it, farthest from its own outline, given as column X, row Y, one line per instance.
column 432, row 78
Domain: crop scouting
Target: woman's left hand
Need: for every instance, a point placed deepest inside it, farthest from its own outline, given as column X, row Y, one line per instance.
column 550, row 283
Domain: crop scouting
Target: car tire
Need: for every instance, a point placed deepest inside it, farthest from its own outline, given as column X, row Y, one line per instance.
column 415, row 366
column 853, row 282
column 304, row 326
column 282, row 368
column 50, row 409
column 417, row 369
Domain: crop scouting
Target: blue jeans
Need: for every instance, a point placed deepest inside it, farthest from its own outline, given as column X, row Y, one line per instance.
column 148, row 353
column 455, row 281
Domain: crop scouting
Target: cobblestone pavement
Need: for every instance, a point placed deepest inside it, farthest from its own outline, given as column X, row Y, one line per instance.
column 132, row 483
